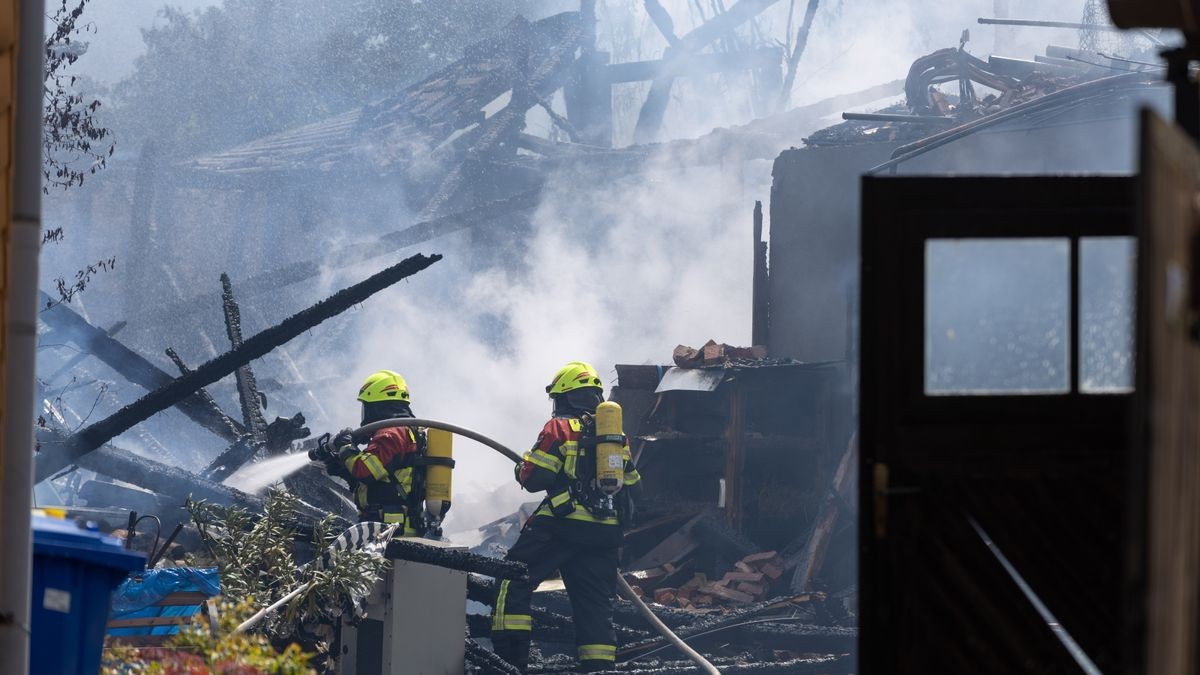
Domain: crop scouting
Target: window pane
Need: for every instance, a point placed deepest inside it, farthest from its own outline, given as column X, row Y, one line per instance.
column 1106, row 308
column 997, row 316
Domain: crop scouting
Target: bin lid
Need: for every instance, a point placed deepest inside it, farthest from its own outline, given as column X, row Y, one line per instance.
column 63, row 538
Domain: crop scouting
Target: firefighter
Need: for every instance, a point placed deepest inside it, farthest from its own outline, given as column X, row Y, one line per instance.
column 385, row 477
column 574, row 531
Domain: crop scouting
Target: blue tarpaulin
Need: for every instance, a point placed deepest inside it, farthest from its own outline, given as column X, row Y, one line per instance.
column 137, row 596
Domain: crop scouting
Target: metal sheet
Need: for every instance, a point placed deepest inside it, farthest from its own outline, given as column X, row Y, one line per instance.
column 690, row 379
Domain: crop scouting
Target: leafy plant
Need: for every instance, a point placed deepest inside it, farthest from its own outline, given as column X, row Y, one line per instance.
column 257, row 561
column 199, row 649
column 74, row 144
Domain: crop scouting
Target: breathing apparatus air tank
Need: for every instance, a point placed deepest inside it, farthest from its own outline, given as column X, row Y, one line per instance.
column 610, row 440
column 439, row 452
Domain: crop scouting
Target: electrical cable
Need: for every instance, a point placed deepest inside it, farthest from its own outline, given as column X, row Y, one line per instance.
column 622, row 586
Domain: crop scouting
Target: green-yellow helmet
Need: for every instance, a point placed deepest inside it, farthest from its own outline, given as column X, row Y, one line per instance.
column 574, row 375
column 384, row 385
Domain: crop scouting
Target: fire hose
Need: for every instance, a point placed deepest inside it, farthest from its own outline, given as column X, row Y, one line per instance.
column 622, row 586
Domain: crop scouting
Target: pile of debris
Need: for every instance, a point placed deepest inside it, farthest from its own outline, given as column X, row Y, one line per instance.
column 751, row 580
column 745, row 540
column 1011, row 86
column 713, row 355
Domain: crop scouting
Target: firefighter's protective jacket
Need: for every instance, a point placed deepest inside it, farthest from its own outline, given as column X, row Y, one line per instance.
column 556, row 461
column 382, row 474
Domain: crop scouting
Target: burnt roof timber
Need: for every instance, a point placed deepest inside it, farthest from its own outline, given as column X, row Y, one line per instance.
column 132, row 366
column 650, row 118
column 98, row 433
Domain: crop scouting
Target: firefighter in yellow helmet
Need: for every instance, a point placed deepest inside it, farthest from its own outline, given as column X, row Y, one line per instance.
column 387, row 475
column 573, row 531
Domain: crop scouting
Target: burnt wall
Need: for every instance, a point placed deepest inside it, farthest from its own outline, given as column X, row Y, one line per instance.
column 814, row 215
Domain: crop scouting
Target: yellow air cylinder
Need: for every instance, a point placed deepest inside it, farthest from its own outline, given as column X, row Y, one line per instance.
column 610, row 439
column 437, row 476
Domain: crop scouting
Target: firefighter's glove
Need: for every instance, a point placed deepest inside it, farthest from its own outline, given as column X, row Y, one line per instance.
column 343, row 439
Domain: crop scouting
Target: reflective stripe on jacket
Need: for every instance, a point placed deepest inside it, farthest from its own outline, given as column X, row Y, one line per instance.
column 384, row 469
column 552, row 464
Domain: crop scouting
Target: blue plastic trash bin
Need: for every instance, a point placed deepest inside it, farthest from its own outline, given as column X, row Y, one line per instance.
column 74, row 573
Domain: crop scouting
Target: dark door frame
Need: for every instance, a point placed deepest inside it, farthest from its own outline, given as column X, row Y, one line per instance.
column 1041, row 474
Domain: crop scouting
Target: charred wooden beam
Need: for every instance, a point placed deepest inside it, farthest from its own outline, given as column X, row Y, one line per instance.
column 230, row 459
column 130, row 365
column 825, row 665
column 97, row 493
column 813, row 555
column 203, row 395
column 456, row 560
column 760, row 297
column 261, row 344
column 793, row 62
column 1069, row 25
column 662, row 21
column 587, row 96
column 143, row 235
column 485, row 661
column 735, row 456
column 281, row 432
column 164, row 479
column 904, row 119
column 83, row 355
column 651, row 116
column 545, row 78
column 797, row 637
column 247, row 387
column 713, row 622
column 724, row 23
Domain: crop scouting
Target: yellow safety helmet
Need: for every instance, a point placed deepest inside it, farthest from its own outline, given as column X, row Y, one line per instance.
column 574, row 375
column 384, row 385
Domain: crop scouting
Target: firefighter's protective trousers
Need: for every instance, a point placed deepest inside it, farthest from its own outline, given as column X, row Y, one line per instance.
column 590, row 575
column 566, row 536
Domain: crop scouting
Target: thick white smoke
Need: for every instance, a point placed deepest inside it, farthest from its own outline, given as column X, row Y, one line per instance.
column 611, row 273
